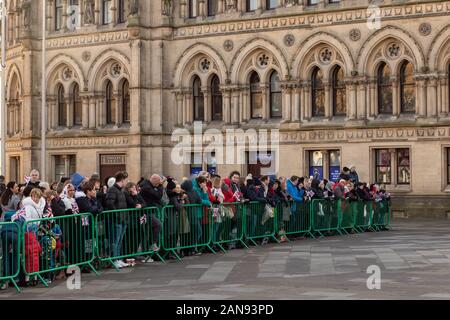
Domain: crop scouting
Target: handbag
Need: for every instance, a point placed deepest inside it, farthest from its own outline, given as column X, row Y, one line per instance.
column 268, row 214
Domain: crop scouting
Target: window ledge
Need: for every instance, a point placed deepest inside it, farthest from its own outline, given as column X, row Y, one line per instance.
column 398, row 188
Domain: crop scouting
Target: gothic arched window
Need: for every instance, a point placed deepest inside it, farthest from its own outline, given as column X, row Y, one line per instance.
column 318, row 93
column 198, row 100
column 217, row 102
column 384, row 89
column 126, row 101
column 339, row 92
column 407, row 89
column 62, row 109
column 110, row 104
column 255, row 96
column 275, row 96
column 77, row 106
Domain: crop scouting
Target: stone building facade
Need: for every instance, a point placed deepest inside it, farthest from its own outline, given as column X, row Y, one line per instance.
column 122, row 75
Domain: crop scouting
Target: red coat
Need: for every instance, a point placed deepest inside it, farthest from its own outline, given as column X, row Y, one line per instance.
column 32, row 252
column 229, row 195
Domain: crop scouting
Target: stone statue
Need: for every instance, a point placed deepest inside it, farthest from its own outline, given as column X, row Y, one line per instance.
column 89, row 11
column 134, row 7
column 26, row 11
column 231, row 6
column 167, row 7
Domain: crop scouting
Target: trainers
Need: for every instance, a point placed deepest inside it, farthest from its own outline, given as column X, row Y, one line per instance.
column 117, row 264
column 4, row 286
column 265, row 241
column 147, row 260
column 123, row 264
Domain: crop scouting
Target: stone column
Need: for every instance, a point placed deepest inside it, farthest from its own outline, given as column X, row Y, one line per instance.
column 201, row 8
column 431, row 97
column 296, row 105
column 69, row 110
column 114, row 13
column 352, row 101
column 92, row 112
column 307, row 106
column 395, row 96
column 328, row 100
column 220, row 6
column 422, row 95
column 444, row 91
column 101, row 106
column 265, row 102
column 64, row 15
column 287, row 105
column 179, row 109
column 361, row 104
column 207, row 105
column 246, row 105
column 189, row 109
column 235, row 106
column 373, row 105
column 97, row 12
column 183, row 9
column 227, row 106
column 85, row 112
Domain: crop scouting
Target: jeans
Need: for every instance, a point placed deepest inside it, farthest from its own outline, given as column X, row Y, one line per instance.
column 156, row 229
column 196, row 229
column 117, row 237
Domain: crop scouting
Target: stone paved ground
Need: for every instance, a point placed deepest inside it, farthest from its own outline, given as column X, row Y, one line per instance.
column 414, row 259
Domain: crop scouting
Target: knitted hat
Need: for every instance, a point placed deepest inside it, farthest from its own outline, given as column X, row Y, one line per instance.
column 155, row 179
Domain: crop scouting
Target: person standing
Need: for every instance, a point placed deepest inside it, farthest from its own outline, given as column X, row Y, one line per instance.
column 116, row 200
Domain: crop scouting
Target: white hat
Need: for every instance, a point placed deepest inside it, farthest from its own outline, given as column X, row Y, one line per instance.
column 111, row 182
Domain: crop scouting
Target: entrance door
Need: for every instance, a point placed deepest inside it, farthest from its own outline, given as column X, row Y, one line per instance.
column 110, row 164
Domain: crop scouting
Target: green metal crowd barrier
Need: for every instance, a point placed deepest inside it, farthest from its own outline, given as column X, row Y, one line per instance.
column 41, row 248
column 294, row 218
column 364, row 213
column 228, row 225
column 260, row 222
column 325, row 216
column 381, row 215
column 186, row 228
column 127, row 234
column 55, row 244
column 347, row 215
column 10, row 234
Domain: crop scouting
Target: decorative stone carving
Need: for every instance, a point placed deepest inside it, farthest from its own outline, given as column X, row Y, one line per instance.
column 116, row 70
column 425, row 29
column 263, row 60
column 326, row 55
column 228, row 45
column 67, row 74
column 355, row 34
column 134, row 7
column 289, row 40
column 204, row 65
column 86, row 56
column 393, row 50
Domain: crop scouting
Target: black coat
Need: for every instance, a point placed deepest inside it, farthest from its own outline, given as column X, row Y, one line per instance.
column 133, row 201
column 58, row 207
column 87, row 205
column 193, row 196
column 115, row 198
column 152, row 195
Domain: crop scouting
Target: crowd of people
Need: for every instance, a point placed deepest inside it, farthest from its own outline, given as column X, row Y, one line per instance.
column 37, row 199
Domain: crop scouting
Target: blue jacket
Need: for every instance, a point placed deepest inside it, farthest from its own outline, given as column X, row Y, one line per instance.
column 294, row 192
column 9, row 228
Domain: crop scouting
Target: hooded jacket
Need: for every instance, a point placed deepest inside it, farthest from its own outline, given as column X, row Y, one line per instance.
column 115, row 198
column 294, row 192
column 33, row 210
column 202, row 194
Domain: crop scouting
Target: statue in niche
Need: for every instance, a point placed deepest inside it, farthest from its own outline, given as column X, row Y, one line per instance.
column 89, row 11
column 167, row 7
column 134, row 7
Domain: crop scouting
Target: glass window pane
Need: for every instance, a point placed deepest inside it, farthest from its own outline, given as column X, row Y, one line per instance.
column 407, row 87
column 316, row 164
column 126, row 102
column 275, row 96
column 252, row 5
column 335, row 165
column 272, row 4
column 217, row 103
column 256, row 96
column 403, row 164
column 77, row 106
column 383, row 166
column 318, row 93
column 384, row 89
column 339, row 92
